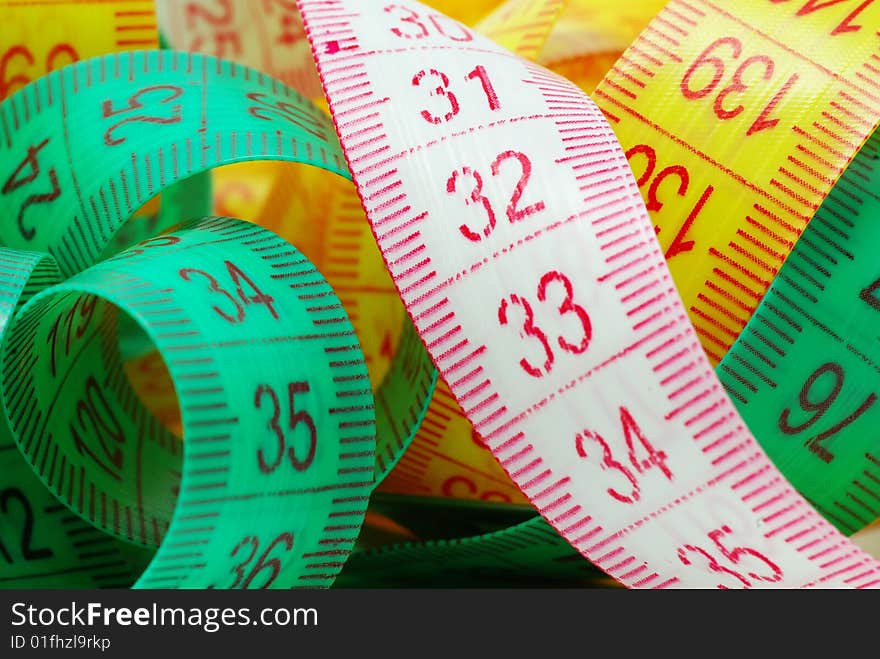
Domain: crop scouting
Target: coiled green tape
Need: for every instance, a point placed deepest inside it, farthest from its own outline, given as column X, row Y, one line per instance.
column 276, row 402
column 42, row 543
column 279, row 444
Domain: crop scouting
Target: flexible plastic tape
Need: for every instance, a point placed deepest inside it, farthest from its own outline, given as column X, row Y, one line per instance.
column 246, row 116
column 564, row 372
column 736, row 136
column 104, row 482
column 809, row 351
column 108, row 459
column 41, row 542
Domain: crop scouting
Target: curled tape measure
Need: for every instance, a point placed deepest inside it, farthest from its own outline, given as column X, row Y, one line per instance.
column 43, row 36
column 88, row 471
column 554, row 319
column 648, row 525
column 116, row 467
column 36, row 525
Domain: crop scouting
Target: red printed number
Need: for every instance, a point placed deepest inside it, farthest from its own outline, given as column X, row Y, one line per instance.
column 741, row 557
column 16, row 180
column 235, row 311
column 726, row 103
column 158, row 95
column 269, row 464
column 677, row 173
column 219, row 21
column 640, row 465
column 247, row 569
column 60, row 55
column 566, row 308
column 291, row 28
column 412, row 25
column 266, row 108
column 846, row 25
column 430, row 77
column 442, row 89
column 513, row 211
column 157, row 242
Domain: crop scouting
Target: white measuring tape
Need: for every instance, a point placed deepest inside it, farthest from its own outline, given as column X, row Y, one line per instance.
column 510, row 220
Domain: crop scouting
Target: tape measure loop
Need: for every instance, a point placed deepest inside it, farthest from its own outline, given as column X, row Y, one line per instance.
column 261, row 356
column 109, row 133
column 42, row 543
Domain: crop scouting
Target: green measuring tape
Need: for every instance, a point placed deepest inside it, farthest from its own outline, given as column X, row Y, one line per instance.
column 243, row 501
column 804, row 373
column 42, row 543
column 270, row 485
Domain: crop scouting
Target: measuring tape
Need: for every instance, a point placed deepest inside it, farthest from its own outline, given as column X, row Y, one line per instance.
column 850, row 488
column 792, row 564
column 109, row 460
column 706, row 105
column 37, row 530
column 517, row 405
column 763, row 373
column 300, row 134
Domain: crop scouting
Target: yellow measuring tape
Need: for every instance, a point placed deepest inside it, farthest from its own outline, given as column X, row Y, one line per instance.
column 736, row 137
